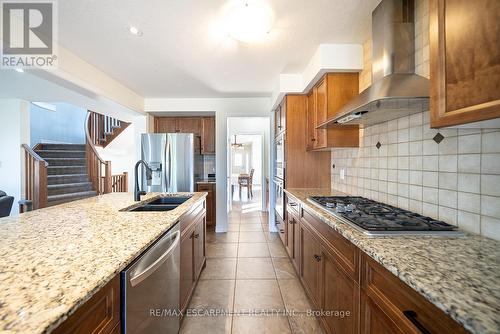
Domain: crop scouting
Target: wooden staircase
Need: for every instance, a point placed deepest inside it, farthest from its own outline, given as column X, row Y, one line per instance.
column 67, row 177
column 60, row 173
column 104, row 129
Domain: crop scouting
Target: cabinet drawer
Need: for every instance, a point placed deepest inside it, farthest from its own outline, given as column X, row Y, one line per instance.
column 189, row 218
column 292, row 205
column 205, row 187
column 409, row 310
column 347, row 254
column 99, row 315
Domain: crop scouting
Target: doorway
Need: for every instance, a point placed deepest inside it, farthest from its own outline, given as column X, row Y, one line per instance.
column 247, row 164
column 245, row 172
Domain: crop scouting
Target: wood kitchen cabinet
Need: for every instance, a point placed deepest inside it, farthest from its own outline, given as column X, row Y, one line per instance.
column 324, row 101
column 296, row 155
column 405, row 310
column 192, row 248
column 338, row 277
column 464, row 61
column 338, row 292
column 99, row 315
column 166, row 125
column 189, row 125
column 208, row 135
column 280, row 118
column 210, row 201
column 310, row 256
column 203, row 129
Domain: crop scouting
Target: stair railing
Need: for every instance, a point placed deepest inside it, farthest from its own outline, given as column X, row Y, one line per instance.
column 35, row 172
column 119, row 183
column 104, row 129
column 99, row 170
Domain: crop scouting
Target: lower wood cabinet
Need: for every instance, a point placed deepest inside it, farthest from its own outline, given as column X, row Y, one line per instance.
column 193, row 254
column 209, row 188
column 353, row 292
column 310, row 256
column 99, row 315
column 339, row 296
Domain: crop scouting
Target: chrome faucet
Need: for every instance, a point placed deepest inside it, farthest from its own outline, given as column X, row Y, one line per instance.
column 137, row 191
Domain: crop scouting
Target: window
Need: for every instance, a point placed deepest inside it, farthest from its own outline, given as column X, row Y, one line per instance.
column 238, row 160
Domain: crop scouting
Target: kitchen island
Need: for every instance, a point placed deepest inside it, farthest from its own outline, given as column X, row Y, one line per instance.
column 456, row 275
column 55, row 259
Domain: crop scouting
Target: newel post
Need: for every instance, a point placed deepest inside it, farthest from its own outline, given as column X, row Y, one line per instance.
column 107, row 178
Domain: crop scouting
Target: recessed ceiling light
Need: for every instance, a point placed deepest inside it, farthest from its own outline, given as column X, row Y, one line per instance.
column 248, row 20
column 20, row 70
column 135, row 31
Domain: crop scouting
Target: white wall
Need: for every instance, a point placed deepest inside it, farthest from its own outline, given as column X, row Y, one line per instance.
column 14, row 131
column 223, row 108
column 125, row 150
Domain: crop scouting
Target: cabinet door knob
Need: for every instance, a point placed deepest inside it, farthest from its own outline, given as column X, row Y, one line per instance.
column 313, row 139
column 317, row 257
column 196, row 235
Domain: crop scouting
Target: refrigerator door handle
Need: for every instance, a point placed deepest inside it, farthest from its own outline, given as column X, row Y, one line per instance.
column 167, row 165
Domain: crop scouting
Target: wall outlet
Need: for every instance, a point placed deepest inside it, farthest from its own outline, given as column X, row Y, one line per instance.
column 342, row 173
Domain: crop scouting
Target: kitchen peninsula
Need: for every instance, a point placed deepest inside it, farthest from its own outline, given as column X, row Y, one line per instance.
column 56, row 259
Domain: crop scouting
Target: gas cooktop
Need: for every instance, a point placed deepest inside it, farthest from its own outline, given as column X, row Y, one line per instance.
column 375, row 218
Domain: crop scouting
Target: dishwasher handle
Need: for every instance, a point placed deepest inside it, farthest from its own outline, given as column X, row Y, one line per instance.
column 138, row 278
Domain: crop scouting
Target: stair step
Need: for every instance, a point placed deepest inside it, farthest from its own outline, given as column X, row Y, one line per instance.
column 66, row 161
column 60, row 154
column 62, row 147
column 65, row 188
column 68, row 178
column 65, row 170
column 64, row 198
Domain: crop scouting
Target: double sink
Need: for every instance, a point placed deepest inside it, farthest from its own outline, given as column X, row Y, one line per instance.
column 161, row 204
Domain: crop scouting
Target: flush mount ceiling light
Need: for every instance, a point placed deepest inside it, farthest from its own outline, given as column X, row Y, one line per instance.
column 135, row 31
column 248, row 20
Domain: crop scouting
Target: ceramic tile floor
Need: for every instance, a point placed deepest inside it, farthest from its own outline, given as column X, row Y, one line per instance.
column 248, row 271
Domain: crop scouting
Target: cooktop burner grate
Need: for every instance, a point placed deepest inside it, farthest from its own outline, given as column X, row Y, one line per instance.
column 375, row 216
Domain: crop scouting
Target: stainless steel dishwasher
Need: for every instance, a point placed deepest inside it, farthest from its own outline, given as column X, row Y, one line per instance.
column 150, row 288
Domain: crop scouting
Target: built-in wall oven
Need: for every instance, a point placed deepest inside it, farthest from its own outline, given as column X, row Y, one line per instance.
column 279, row 206
column 280, row 163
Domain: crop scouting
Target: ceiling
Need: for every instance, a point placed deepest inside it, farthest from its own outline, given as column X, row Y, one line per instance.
column 181, row 54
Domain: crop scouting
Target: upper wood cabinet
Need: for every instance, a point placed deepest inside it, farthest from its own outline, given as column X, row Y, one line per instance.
column 280, row 118
column 208, row 135
column 166, row 124
column 203, row 129
column 189, row 125
column 464, row 61
column 324, row 101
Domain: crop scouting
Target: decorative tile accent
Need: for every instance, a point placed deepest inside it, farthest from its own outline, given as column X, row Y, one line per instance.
column 438, row 138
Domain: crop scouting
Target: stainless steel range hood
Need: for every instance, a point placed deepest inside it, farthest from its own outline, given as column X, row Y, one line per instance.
column 396, row 90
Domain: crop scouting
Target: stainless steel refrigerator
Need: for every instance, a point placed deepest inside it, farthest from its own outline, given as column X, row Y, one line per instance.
column 174, row 159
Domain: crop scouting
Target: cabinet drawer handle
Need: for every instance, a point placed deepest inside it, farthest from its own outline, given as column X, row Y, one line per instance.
column 412, row 316
column 317, row 258
column 196, row 235
column 282, row 231
column 293, row 204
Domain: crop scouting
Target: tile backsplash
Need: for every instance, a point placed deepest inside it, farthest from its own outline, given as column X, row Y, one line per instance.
column 208, row 164
column 457, row 180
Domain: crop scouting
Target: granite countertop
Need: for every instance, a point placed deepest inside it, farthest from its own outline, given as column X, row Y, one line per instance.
column 211, row 181
column 54, row 259
column 460, row 275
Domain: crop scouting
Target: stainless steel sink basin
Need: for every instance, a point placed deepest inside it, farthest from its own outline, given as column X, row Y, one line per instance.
column 177, row 200
column 161, row 204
